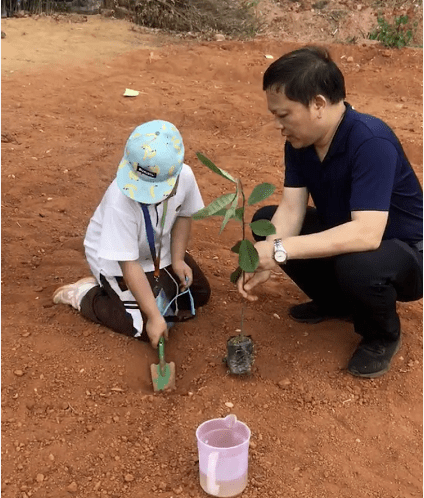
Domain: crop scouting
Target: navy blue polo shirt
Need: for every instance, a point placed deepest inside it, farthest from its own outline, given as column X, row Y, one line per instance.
column 365, row 169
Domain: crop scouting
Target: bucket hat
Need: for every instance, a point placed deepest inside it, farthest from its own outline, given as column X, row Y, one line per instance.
column 153, row 159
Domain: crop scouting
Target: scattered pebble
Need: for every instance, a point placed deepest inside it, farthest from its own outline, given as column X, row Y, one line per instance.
column 284, row 383
column 228, row 404
column 18, row 373
column 39, row 478
column 72, row 488
column 129, row 478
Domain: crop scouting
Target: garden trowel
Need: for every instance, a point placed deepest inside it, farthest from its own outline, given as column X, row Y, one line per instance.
column 163, row 375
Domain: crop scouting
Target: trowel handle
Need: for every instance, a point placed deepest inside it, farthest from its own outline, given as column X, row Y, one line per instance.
column 161, row 353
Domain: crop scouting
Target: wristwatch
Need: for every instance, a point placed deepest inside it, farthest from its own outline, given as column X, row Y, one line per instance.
column 280, row 254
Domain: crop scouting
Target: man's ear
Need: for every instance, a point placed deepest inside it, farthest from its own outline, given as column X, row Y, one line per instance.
column 319, row 103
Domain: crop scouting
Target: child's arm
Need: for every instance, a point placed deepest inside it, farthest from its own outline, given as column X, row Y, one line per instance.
column 180, row 235
column 139, row 286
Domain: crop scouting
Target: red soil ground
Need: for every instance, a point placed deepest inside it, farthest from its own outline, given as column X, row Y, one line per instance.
column 78, row 414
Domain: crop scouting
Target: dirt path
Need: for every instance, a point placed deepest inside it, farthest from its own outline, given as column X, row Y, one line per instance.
column 78, row 414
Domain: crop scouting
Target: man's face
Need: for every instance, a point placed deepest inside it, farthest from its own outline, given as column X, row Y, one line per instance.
column 298, row 123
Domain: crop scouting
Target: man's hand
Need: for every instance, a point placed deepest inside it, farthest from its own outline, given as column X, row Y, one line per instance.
column 251, row 280
column 184, row 273
column 156, row 327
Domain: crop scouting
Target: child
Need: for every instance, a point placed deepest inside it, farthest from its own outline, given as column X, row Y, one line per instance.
column 137, row 239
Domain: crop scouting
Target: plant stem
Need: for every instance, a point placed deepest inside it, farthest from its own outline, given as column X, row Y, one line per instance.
column 243, row 308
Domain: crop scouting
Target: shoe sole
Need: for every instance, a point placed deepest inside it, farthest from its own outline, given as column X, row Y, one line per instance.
column 311, row 321
column 322, row 319
column 374, row 375
column 82, row 281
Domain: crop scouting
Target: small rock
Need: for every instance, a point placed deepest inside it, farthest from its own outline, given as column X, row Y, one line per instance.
column 228, row 404
column 129, row 478
column 162, row 486
column 386, row 53
column 39, row 478
column 219, row 37
column 178, row 490
column 349, row 59
column 26, row 334
column 51, row 457
column 30, row 404
column 284, row 383
column 18, row 373
column 72, row 488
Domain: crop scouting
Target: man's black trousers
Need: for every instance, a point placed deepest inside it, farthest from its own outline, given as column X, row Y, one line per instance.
column 366, row 284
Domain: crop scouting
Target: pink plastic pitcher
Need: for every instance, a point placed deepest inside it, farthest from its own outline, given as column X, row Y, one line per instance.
column 223, row 445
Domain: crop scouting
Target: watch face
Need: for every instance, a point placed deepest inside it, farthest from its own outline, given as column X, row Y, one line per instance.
column 280, row 256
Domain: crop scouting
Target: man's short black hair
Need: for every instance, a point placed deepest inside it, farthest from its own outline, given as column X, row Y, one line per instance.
column 305, row 73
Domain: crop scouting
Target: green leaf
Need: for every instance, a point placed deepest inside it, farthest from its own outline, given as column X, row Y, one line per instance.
column 230, row 212
column 209, row 164
column 236, row 275
column 214, row 207
column 236, row 248
column 221, row 212
column 260, row 193
column 238, row 215
column 262, row 228
column 248, row 256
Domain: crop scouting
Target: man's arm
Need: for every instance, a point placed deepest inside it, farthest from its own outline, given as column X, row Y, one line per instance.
column 137, row 283
column 180, row 235
column 363, row 233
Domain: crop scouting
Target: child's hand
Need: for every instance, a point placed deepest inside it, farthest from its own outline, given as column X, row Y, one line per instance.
column 156, row 327
column 184, row 273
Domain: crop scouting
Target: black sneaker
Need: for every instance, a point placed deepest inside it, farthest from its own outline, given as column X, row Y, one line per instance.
column 372, row 358
column 310, row 312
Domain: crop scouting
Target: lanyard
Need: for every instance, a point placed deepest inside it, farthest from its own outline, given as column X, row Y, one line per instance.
column 156, row 258
column 151, row 235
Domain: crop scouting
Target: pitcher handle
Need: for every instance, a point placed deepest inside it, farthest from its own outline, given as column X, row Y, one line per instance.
column 211, row 486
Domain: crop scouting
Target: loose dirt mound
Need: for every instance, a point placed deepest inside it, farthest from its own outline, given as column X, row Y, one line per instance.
column 78, row 414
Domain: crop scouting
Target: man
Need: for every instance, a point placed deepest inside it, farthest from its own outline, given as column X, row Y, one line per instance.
column 359, row 250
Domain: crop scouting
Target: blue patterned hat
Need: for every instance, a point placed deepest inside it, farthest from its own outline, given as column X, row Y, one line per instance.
column 153, row 158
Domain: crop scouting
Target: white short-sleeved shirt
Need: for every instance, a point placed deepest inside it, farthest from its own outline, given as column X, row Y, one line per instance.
column 117, row 232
